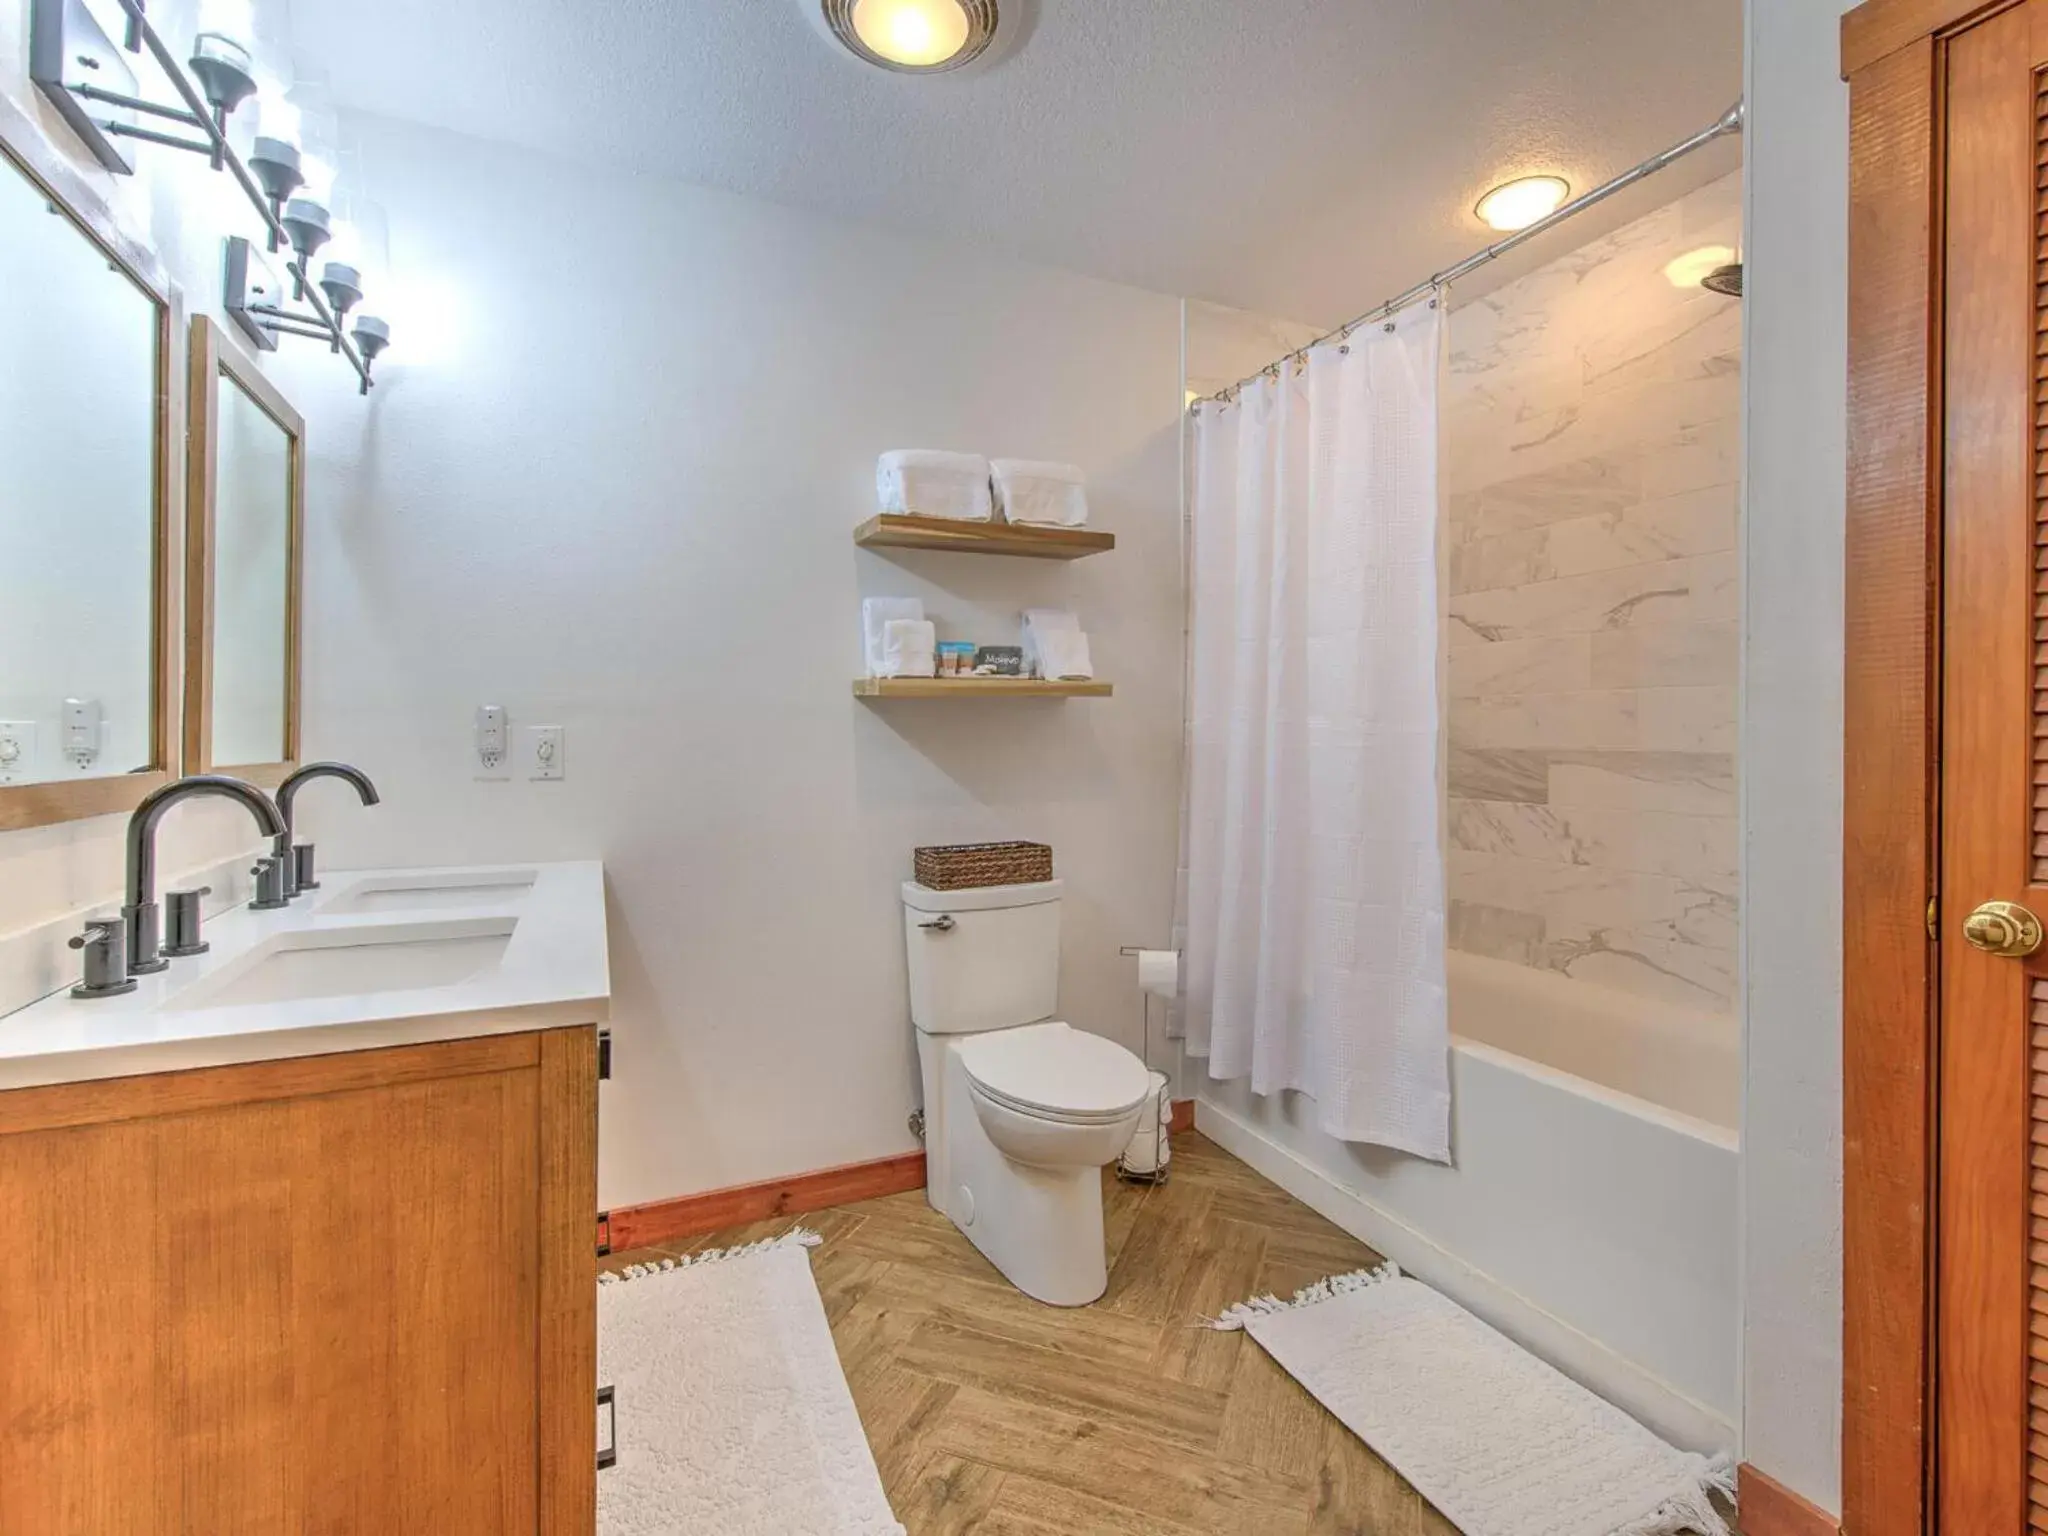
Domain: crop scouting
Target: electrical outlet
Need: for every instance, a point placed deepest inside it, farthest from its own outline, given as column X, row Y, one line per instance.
column 541, row 748
column 17, row 750
column 85, row 723
column 493, row 750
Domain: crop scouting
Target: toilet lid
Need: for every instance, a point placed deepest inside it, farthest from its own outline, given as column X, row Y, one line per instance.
column 1056, row 1072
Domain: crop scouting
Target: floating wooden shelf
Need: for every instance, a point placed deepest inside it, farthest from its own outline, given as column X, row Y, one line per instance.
column 891, row 531
column 976, row 688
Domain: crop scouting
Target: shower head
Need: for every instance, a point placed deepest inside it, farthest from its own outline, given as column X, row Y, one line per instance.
column 1726, row 280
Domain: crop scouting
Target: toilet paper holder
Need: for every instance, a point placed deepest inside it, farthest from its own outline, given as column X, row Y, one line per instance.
column 1161, row 1111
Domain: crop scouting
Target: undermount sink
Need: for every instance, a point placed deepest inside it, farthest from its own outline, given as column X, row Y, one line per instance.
column 355, row 961
column 429, row 891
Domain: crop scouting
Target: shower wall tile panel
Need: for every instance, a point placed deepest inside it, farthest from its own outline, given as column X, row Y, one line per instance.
column 1593, row 481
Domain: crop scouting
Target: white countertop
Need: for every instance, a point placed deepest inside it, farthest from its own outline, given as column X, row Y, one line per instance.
column 553, row 971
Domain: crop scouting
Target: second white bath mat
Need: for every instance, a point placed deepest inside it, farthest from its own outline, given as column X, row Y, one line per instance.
column 731, row 1413
column 1498, row 1441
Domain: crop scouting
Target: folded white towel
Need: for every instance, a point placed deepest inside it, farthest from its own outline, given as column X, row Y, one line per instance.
column 875, row 612
column 1063, row 653
column 1036, row 622
column 909, row 648
column 919, row 482
column 1032, row 491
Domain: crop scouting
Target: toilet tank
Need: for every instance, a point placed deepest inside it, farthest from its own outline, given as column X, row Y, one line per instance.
column 982, row 959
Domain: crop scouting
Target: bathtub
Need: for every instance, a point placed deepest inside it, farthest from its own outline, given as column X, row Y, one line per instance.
column 1591, row 1209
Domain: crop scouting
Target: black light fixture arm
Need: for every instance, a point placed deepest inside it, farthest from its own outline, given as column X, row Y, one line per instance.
column 323, row 324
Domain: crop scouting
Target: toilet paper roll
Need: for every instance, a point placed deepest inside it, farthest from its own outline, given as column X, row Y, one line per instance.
column 1149, row 1151
column 1159, row 972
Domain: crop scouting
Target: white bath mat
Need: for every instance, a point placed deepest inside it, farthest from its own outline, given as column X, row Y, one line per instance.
column 731, row 1413
column 1498, row 1441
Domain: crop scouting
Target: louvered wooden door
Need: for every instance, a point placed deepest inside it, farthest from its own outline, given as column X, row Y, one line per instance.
column 1992, row 1249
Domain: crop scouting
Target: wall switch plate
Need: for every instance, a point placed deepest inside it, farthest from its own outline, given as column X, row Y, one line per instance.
column 17, row 750
column 493, row 743
column 84, row 731
column 540, row 748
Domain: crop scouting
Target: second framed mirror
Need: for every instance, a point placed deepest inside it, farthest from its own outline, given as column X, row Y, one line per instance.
column 244, row 554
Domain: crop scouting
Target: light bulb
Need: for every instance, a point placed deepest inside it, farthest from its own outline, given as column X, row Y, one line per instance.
column 919, row 34
column 1518, row 204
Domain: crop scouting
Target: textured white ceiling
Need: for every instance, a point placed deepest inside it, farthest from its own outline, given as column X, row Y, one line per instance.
column 1298, row 157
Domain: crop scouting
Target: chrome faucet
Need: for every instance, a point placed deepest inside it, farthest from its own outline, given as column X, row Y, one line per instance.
column 140, row 910
column 297, row 863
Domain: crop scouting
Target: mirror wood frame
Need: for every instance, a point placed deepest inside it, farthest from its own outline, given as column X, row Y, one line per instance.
column 24, row 149
column 214, row 356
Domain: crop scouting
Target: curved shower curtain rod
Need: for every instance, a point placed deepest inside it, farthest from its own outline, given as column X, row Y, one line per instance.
column 1729, row 122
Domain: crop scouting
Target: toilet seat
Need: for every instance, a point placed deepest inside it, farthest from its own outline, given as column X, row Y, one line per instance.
column 1053, row 1072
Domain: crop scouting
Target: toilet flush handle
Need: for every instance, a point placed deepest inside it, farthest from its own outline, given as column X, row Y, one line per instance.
column 942, row 924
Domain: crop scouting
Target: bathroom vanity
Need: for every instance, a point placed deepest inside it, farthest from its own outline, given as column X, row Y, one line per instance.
column 300, row 1232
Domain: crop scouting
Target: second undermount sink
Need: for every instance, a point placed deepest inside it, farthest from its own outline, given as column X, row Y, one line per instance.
column 432, row 891
column 355, row 961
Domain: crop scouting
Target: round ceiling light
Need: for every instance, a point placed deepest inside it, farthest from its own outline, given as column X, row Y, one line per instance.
column 913, row 37
column 1518, row 204
column 1694, row 268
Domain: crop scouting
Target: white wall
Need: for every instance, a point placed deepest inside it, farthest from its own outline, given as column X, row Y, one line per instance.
column 1796, row 350
column 609, row 481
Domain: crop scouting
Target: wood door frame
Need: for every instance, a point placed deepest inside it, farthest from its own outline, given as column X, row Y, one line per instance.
column 25, row 148
column 214, row 355
column 1894, row 56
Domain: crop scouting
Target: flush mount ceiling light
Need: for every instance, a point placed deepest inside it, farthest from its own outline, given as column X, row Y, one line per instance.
column 913, row 37
column 1694, row 268
column 1519, row 203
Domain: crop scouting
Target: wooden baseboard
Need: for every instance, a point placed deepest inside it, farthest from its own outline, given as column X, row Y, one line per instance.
column 664, row 1221
column 1769, row 1508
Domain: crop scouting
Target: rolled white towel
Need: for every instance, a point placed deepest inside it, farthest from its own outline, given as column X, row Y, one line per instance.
column 1063, row 655
column 1034, row 491
column 920, row 482
column 1038, row 621
column 875, row 612
column 909, row 648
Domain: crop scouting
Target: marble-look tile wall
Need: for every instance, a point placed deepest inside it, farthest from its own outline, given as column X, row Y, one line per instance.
column 1593, row 459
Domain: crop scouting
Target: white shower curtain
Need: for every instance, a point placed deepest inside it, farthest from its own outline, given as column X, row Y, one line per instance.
column 1314, row 862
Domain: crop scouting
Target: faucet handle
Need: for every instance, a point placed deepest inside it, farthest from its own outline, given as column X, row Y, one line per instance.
column 105, row 942
column 181, row 922
column 270, row 885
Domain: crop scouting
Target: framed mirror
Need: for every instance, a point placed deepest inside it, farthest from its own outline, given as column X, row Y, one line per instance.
column 87, row 322
column 245, row 503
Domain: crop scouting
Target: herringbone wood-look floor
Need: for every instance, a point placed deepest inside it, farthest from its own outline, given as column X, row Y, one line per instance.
column 993, row 1414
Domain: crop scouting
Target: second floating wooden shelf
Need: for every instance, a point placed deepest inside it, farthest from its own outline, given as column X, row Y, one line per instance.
column 977, row 688
column 894, row 531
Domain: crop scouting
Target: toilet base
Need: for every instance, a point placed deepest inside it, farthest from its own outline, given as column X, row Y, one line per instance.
column 1042, row 1227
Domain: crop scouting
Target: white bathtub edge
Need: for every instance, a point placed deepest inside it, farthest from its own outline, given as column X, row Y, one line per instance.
column 1681, row 1420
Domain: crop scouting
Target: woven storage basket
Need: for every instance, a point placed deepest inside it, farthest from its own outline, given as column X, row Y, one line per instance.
column 967, row 866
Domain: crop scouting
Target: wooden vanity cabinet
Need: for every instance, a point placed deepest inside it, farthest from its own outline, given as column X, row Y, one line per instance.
column 350, row 1294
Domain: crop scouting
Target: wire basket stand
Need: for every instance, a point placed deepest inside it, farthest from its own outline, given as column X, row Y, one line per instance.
column 1161, row 1114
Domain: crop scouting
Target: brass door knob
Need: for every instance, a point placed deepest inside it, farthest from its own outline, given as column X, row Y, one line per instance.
column 2003, row 928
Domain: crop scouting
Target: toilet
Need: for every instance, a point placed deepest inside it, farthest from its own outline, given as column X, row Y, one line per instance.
column 1021, row 1111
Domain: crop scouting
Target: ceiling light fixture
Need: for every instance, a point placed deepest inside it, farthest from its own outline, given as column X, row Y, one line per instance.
column 1693, row 268
column 1519, row 203
column 913, row 37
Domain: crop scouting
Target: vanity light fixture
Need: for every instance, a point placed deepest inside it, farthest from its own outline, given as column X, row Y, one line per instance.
column 1519, row 203
column 913, row 37
column 83, row 74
